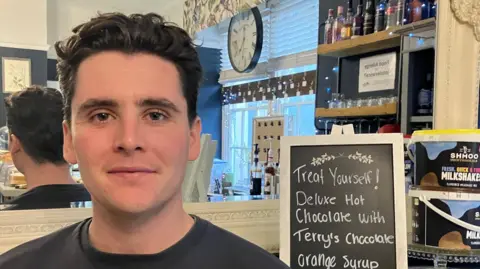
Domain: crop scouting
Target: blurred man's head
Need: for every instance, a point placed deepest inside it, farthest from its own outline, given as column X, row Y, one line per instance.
column 130, row 85
column 34, row 120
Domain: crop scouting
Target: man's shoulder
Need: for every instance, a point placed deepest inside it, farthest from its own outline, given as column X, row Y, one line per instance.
column 29, row 254
column 243, row 252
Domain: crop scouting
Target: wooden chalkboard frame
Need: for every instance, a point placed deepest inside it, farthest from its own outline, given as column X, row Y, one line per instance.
column 396, row 140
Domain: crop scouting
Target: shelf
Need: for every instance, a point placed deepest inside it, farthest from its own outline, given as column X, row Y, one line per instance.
column 421, row 119
column 363, row 44
column 444, row 193
column 441, row 256
column 388, row 109
column 419, row 26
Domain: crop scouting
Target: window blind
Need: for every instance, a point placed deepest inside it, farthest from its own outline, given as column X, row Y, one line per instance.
column 294, row 26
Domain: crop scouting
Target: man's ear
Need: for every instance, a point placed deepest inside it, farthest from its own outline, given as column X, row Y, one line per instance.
column 68, row 150
column 195, row 133
column 14, row 144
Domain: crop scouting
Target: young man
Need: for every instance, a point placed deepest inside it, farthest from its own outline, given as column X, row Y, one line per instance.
column 130, row 87
column 34, row 121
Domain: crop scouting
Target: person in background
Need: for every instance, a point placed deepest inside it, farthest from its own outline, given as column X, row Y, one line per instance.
column 34, row 121
column 130, row 85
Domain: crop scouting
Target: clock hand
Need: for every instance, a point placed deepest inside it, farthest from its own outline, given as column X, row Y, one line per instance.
column 243, row 41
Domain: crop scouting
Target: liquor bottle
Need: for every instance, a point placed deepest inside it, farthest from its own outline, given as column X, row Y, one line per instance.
column 269, row 172
column 369, row 19
column 380, row 16
column 400, row 12
column 433, row 9
column 327, row 39
column 347, row 28
column 277, row 176
column 391, row 14
column 256, row 174
column 358, row 21
column 425, row 97
column 429, row 85
column 415, row 10
column 338, row 25
column 426, row 6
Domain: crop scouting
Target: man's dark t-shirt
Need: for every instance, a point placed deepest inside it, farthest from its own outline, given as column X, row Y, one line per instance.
column 50, row 196
column 205, row 246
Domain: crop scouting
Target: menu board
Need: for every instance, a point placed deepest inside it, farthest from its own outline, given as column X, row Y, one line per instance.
column 341, row 207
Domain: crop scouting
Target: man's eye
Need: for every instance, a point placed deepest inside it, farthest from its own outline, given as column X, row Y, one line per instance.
column 156, row 116
column 101, row 117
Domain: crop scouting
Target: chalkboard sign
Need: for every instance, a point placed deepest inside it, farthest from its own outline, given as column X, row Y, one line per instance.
column 343, row 202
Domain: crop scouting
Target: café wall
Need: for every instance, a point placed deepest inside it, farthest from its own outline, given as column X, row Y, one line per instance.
column 63, row 15
column 23, row 22
column 23, row 28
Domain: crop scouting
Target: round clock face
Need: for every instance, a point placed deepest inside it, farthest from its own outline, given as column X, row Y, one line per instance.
column 245, row 40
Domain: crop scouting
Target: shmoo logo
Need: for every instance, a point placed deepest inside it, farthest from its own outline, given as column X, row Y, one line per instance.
column 464, row 153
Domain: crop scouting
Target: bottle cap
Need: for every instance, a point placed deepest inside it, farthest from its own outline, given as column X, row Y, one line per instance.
column 340, row 9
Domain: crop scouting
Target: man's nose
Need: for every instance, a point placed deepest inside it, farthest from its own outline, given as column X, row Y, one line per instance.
column 128, row 138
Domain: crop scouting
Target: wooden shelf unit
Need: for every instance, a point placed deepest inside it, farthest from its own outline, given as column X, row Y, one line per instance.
column 361, row 45
column 387, row 109
column 415, row 27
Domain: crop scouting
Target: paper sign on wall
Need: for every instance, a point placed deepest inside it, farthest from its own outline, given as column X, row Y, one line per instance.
column 377, row 73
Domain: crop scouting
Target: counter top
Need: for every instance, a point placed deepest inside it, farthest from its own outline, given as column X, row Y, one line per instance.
column 8, row 191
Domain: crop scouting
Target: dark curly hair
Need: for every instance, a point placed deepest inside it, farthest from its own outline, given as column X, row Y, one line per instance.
column 34, row 116
column 136, row 33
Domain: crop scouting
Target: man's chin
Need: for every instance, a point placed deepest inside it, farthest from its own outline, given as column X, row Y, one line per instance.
column 133, row 203
column 131, row 208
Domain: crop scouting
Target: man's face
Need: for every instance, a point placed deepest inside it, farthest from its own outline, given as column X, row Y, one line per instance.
column 129, row 131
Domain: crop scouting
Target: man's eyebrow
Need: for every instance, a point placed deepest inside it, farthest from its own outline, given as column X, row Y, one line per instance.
column 158, row 102
column 96, row 103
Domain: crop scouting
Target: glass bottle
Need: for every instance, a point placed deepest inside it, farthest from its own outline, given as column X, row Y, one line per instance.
column 425, row 97
column 347, row 28
column 277, row 176
column 415, row 10
column 433, row 9
column 269, row 172
column 391, row 14
column 400, row 12
column 369, row 18
column 256, row 174
column 327, row 39
column 426, row 7
column 338, row 25
column 358, row 21
column 380, row 16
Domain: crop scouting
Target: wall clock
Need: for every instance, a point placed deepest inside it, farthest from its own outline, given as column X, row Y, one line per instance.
column 245, row 40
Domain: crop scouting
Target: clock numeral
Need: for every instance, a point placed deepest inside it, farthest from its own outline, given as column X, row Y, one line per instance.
column 254, row 33
column 235, row 45
column 250, row 55
column 254, row 46
column 235, row 31
column 252, row 22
